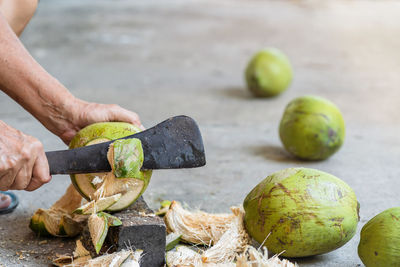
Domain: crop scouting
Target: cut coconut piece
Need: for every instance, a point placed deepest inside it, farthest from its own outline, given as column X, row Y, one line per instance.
column 123, row 258
column 70, row 226
column 126, row 157
column 79, row 255
column 164, row 207
column 172, row 240
column 116, row 259
column 99, row 185
column 80, row 250
column 196, row 227
column 62, row 260
column 130, row 188
column 58, row 221
column 111, row 220
column 98, row 228
column 95, row 206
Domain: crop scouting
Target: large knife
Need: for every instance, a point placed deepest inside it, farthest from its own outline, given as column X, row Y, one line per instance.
column 172, row 144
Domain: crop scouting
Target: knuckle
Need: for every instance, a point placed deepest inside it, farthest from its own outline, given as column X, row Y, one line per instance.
column 37, row 145
column 45, row 179
column 114, row 106
column 5, row 184
column 11, row 162
column 26, row 154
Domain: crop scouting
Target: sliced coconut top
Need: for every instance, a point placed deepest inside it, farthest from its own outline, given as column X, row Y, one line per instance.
column 126, row 157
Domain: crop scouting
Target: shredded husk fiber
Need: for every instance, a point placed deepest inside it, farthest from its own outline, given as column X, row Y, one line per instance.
column 226, row 236
column 81, row 258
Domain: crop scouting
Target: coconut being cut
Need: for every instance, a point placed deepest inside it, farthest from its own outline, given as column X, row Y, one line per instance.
column 98, row 186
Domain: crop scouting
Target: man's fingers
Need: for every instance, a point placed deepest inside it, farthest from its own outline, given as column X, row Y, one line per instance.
column 8, row 173
column 22, row 178
column 120, row 114
column 40, row 173
column 6, row 181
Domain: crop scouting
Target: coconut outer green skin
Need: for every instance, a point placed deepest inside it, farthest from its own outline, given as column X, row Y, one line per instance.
column 172, row 240
column 380, row 240
column 65, row 226
column 37, row 225
column 128, row 158
column 106, row 131
column 111, row 220
column 312, row 128
column 306, row 212
column 268, row 73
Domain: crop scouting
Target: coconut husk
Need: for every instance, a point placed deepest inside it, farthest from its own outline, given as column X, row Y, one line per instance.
column 58, row 220
column 230, row 245
column 232, row 242
column 81, row 258
column 253, row 257
column 196, row 227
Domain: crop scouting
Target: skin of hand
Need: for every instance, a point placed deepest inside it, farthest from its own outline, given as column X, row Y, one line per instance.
column 23, row 164
column 66, row 123
column 24, row 80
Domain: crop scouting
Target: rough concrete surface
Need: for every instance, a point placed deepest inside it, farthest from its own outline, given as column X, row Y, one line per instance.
column 164, row 58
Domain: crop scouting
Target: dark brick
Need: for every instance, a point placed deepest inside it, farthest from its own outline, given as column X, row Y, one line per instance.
column 138, row 231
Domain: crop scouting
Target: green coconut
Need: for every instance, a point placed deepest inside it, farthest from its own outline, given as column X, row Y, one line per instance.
column 94, row 186
column 301, row 212
column 380, row 240
column 268, row 73
column 312, row 128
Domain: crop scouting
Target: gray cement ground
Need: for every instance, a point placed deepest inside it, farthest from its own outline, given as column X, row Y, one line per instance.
column 164, row 58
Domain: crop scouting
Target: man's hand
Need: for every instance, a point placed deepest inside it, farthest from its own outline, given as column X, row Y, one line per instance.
column 82, row 113
column 23, row 164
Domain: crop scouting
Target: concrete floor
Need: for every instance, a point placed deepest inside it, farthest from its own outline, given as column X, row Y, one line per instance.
column 164, row 58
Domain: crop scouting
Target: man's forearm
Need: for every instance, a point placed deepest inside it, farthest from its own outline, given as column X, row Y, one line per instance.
column 23, row 79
